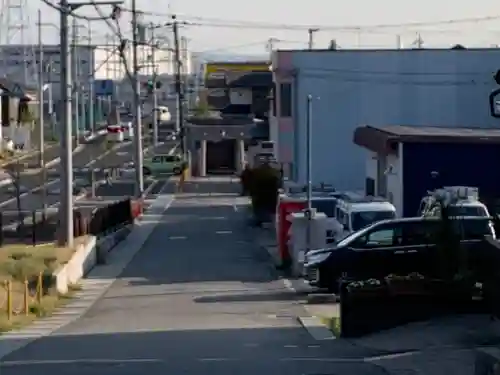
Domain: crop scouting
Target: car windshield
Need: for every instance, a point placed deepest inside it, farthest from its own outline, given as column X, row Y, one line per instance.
column 359, row 220
column 326, row 206
column 473, row 228
column 467, row 211
column 352, row 237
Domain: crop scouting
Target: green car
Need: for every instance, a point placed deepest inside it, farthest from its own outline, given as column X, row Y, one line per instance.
column 163, row 164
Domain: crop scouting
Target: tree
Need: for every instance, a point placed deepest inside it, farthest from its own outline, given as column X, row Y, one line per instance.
column 202, row 109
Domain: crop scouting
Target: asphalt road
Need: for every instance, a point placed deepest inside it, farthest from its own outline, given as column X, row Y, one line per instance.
column 94, row 153
column 200, row 298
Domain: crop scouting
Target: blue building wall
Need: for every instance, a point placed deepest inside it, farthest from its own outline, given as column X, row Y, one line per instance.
column 456, row 164
column 446, row 88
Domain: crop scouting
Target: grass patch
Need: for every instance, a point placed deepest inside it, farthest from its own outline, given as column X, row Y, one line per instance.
column 19, row 263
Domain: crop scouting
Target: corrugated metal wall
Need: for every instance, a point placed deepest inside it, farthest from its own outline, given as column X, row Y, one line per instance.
column 403, row 87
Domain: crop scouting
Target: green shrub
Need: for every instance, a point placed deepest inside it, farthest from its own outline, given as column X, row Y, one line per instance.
column 264, row 183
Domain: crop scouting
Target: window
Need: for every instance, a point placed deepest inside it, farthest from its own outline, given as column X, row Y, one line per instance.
column 171, row 159
column 418, row 233
column 362, row 219
column 380, row 237
column 370, row 186
column 286, row 100
column 156, row 159
column 467, row 211
column 326, row 206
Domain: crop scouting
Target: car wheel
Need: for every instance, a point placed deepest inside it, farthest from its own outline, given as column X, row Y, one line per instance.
column 146, row 171
column 177, row 171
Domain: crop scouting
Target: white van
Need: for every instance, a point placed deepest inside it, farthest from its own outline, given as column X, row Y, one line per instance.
column 354, row 212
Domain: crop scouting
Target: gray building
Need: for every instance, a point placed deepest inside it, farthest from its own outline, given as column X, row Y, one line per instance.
column 350, row 88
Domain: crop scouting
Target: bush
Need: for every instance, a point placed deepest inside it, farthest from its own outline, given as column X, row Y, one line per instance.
column 263, row 184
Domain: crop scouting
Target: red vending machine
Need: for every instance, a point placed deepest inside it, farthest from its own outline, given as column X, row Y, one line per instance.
column 287, row 206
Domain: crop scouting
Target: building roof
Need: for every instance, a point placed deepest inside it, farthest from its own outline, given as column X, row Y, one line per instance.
column 384, row 139
column 253, row 79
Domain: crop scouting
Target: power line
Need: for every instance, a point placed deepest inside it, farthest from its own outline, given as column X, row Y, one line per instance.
column 222, row 22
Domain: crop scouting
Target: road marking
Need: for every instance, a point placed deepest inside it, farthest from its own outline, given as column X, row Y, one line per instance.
column 224, row 232
column 77, row 361
column 178, row 238
column 53, row 182
column 314, row 359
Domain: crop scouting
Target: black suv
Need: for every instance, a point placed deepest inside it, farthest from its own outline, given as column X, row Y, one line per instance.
column 399, row 246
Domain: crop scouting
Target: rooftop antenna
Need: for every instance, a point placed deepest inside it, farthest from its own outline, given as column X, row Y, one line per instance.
column 15, row 26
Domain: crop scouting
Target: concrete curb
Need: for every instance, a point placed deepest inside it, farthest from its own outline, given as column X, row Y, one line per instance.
column 317, row 328
column 107, row 244
column 82, row 261
column 103, row 276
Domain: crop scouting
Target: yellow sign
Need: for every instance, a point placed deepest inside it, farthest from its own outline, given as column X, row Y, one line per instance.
column 214, row 68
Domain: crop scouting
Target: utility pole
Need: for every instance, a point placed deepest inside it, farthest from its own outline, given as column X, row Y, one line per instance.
column 154, row 90
column 309, row 210
column 91, row 80
column 178, row 88
column 311, row 33
column 74, row 70
column 41, row 123
column 419, row 42
column 139, row 183
column 41, row 71
column 66, row 207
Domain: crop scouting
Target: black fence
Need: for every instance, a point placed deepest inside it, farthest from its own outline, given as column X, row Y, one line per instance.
column 39, row 226
column 106, row 219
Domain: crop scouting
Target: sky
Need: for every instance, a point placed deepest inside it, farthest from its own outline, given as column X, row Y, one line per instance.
column 206, row 18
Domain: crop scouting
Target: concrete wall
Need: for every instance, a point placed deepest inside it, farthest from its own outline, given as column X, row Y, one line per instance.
column 351, row 88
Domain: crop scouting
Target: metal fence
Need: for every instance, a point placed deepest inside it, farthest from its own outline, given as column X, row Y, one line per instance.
column 24, row 297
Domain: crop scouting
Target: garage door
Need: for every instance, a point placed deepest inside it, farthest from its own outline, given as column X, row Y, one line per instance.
column 221, row 157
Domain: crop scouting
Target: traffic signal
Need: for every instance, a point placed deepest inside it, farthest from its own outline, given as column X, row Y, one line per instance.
column 150, row 85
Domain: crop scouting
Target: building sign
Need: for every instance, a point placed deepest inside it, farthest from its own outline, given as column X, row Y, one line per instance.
column 221, row 71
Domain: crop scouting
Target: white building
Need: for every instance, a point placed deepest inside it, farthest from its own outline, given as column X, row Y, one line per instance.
column 350, row 88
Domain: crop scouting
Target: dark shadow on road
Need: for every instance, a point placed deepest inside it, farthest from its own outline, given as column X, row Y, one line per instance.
column 276, row 351
column 282, row 295
column 185, row 247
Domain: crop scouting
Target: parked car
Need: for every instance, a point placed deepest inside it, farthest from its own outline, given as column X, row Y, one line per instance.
column 114, row 133
column 163, row 164
column 399, row 246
